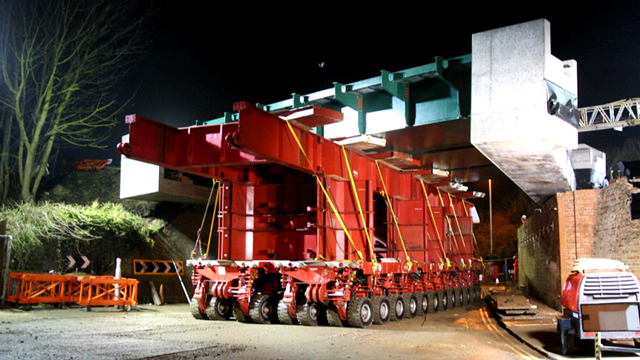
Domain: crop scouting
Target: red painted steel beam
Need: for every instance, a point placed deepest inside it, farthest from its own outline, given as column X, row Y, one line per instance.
column 309, row 152
column 201, row 150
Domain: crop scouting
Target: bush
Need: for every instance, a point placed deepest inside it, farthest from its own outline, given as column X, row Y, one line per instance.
column 44, row 234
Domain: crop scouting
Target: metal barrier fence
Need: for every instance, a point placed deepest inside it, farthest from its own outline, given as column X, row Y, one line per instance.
column 88, row 291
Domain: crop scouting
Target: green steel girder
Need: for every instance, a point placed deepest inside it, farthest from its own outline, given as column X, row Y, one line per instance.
column 437, row 83
column 443, row 88
column 362, row 101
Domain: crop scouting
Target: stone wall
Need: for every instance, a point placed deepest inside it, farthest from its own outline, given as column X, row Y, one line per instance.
column 617, row 235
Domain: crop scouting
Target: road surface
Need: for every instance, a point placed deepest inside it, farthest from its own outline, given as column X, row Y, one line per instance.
column 170, row 332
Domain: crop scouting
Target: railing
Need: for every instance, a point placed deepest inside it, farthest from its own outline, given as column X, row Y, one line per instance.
column 85, row 290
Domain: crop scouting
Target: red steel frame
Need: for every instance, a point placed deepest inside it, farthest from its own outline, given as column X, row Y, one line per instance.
column 301, row 220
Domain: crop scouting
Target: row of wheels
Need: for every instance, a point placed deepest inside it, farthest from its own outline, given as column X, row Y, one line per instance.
column 361, row 311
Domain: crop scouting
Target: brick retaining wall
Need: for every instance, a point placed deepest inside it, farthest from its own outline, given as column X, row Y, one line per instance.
column 593, row 223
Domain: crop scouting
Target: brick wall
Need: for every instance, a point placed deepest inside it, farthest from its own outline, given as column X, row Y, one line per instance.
column 577, row 219
column 592, row 223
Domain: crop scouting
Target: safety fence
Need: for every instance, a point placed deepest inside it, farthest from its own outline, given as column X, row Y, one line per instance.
column 88, row 291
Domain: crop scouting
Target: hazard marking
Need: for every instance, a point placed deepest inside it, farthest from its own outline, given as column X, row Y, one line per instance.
column 157, row 267
column 77, row 259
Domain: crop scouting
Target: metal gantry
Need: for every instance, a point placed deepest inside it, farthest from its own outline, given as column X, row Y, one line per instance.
column 612, row 115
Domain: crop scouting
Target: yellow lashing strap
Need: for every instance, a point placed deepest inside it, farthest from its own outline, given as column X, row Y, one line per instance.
column 466, row 212
column 324, row 190
column 360, row 212
column 393, row 214
column 455, row 242
column 213, row 218
column 433, row 220
column 455, row 216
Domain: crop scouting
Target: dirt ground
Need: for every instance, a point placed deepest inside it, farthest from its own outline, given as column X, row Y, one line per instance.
column 169, row 332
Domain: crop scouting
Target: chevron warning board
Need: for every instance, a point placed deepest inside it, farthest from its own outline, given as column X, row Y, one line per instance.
column 157, row 267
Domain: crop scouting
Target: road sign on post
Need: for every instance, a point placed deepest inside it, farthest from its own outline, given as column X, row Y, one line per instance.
column 157, row 267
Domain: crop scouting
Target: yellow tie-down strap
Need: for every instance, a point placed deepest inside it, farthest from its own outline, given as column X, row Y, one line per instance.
column 325, row 192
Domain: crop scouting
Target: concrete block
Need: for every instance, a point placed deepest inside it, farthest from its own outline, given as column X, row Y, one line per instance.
column 512, row 72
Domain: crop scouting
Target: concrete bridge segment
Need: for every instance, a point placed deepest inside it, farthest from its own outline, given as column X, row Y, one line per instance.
column 512, row 74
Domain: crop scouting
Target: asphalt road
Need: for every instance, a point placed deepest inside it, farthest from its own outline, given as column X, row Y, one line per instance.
column 170, row 332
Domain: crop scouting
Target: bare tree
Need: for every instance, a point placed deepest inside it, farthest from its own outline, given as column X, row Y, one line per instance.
column 61, row 62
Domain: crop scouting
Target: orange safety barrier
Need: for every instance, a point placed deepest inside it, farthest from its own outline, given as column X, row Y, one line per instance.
column 26, row 288
column 40, row 288
column 101, row 291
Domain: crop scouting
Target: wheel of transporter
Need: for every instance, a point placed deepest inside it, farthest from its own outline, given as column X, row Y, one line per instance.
column 195, row 310
column 219, row 309
column 263, row 310
column 283, row 314
column 466, row 295
column 360, row 312
column 457, row 292
column 381, row 309
column 308, row 314
column 451, row 299
column 478, row 290
column 423, row 303
column 411, row 303
column 473, row 295
column 333, row 318
column 396, row 301
column 434, row 301
column 239, row 315
column 444, row 300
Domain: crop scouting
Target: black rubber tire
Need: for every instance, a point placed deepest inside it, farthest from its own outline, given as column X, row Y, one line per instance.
column 451, row 299
column 457, row 293
column 381, row 309
column 239, row 315
column 478, row 290
column 466, row 296
column 283, row 314
column 444, row 300
column 263, row 309
column 219, row 309
column 309, row 314
column 360, row 312
column 434, row 302
column 333, row 318
column 411, row 303
column 195, row 310
column 423, row 303
column 396, row 301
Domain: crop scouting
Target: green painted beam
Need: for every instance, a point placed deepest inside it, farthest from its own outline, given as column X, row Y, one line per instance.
column 433, row 92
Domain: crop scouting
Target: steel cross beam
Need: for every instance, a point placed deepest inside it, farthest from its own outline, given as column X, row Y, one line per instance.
column 294, row 147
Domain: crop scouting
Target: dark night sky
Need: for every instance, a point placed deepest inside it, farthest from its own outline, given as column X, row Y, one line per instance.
column 207, row 56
